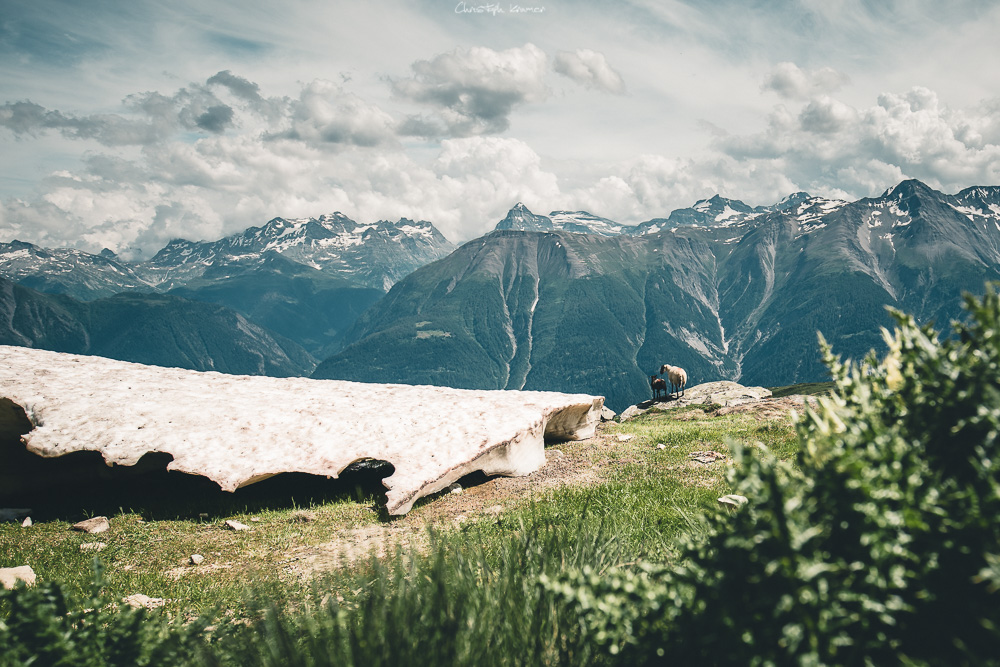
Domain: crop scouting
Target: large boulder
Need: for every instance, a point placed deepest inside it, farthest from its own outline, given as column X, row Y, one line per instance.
column 237, row 430
column 723, row 392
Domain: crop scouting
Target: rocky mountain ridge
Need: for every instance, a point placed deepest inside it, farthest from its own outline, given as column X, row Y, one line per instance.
column 730, row 292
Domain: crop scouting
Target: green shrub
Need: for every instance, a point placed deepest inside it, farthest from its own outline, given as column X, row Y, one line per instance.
column 880, row 545
column 42, row 625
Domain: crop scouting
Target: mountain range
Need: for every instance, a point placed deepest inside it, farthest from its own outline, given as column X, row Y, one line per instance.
column 568, row 301
column 307, row 279
column 723, row 289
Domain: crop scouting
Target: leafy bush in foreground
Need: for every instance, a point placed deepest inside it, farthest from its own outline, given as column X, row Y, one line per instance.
column 882, row 544
column 44, row 626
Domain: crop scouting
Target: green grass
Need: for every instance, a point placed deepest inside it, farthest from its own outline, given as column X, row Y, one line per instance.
column 470, row 596
column 804, row 388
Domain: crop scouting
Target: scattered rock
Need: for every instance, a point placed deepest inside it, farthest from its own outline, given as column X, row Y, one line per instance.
column 98, row 524
column 607, row 414
column 733, row 500
column 12, row 514
column 232, row 524
column 197, row 559
column 93, row 546
column 27, row 522
column 255, row 519
column 707, row 456
column 624, row 437
column 454, row 488
column 9, row 576
column 660, row 445
column 143, row 601
column 302, row 516
column 631, row 411
column 555, row 453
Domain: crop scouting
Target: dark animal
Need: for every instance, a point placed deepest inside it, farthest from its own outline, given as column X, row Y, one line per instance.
column 659, row 386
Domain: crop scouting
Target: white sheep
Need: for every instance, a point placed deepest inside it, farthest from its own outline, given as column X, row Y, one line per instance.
column 678, row 378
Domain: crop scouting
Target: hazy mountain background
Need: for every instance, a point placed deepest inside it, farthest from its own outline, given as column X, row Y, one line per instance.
column 306, row 279
column 567, row 301
column 723, row 289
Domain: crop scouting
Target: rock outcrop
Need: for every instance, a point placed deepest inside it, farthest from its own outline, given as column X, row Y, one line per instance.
column 237, row 430
column 724, row 393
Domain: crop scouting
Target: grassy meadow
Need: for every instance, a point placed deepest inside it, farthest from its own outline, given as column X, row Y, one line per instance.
column 641, row 490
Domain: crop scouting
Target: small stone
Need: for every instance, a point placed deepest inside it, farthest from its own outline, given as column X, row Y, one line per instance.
column 197, row 559
column 143, row 601
column 232, row 524
column 554, row 453
column 607, row 414
column 733, row 500
column 455, row 488
column 255, row 519
column 660, row 445
column 98, row 524
column 9, row 576
column 625, row 437
column 93, row 546
column 26, row 523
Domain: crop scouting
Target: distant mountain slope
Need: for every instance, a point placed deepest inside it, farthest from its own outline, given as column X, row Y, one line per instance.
column 737, row 293
column 64, row 271
column 301, row 303
column 374, row 255
column 153, row 329
column 307, row 278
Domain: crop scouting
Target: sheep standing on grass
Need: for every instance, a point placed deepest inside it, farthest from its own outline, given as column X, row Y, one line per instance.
column 659, row 386
column 678, row 378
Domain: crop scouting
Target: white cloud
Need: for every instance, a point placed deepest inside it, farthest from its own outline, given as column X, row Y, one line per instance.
column 326, row 114
column 589, row 68
column 792, row 82
column 475, row 90
column 829, row 144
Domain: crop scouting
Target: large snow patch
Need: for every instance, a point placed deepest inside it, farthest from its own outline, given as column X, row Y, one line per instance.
column 237, row 429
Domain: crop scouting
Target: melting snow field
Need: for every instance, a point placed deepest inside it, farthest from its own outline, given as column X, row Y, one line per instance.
column 237, row 430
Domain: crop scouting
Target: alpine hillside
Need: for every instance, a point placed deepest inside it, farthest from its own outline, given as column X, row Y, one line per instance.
column 725, row 290
column 307, row 279
column 154, row 329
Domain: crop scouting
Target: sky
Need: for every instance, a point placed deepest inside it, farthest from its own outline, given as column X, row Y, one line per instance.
column 125, row 124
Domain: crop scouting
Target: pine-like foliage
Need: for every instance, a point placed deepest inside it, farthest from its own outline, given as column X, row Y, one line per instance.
column 879, row 545
column 43, row 625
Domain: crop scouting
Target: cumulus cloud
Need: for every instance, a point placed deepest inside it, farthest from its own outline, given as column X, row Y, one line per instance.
column 217, row 158
column 475, row 90
column 792, row 82
column 148, row 117
column 912, row 135
column 326, row 114
column 590, row 69
column 30, row 119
